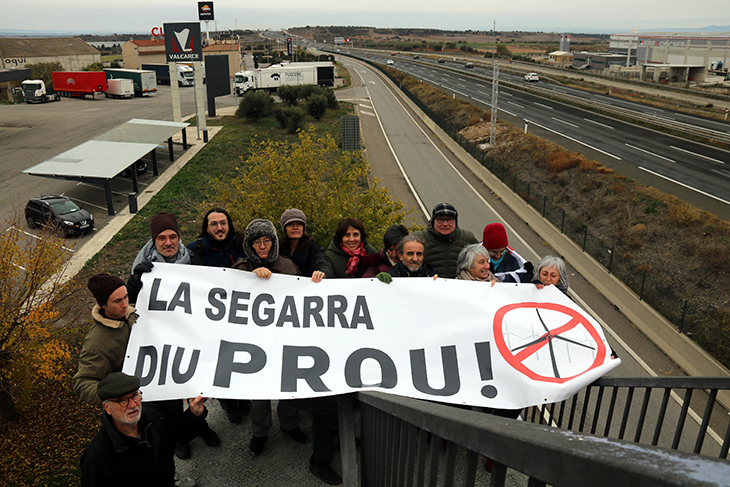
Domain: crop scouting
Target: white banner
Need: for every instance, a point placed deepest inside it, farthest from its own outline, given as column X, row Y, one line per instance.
column 226, row 333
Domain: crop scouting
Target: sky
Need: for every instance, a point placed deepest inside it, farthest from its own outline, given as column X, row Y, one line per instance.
column 138, row 16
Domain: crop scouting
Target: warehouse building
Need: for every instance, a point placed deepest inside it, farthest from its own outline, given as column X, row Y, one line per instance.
column 73, row 53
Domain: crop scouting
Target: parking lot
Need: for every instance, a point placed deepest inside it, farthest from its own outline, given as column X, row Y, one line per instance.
column 30, row 134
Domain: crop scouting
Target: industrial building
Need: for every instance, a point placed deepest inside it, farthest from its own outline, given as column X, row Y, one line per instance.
column 72, row 52
column 135, row 53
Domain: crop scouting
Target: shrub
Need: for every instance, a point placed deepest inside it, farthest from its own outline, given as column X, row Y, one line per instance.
column 561, row 160
column 683, row 215
column 290, row 94
column 290, row 119
column 317, row 106
column 254, row 106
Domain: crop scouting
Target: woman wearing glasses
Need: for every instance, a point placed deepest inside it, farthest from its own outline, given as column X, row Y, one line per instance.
column 506, row 264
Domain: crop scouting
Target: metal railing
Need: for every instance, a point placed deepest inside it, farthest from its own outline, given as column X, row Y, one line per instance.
column 407, row 442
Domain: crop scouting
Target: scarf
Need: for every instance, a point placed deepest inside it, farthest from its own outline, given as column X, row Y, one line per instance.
column 468, row 276
column 354, row 259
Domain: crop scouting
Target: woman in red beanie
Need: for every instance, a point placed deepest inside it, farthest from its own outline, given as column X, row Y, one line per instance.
column 506, row 264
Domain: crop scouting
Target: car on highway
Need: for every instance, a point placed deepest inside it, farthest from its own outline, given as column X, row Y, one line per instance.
column 442, row 60
column 393, row 53
column 58, row 212
column 390, row 61
column 416, row 57
column 468, row 65
column 532, row 77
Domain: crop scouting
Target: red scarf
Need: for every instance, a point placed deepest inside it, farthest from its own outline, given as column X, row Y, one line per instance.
column 354, row 259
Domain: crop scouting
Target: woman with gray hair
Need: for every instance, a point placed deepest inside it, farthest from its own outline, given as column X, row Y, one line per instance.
column 473, row 264
column 551, row 270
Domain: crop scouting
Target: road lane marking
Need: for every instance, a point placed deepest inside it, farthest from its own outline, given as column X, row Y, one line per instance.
column 515, row 104
column 685, row 185
column 563, row 121
column 598, row 123
column 696, row 154
column 544, row 106
column 574, row 140
column 650, row 153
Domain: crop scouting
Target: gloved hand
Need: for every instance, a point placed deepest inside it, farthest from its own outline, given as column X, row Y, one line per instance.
column 385, row 277
column 142, row 267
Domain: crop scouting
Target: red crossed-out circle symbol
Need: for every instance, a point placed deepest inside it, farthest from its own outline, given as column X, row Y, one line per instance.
column 517, row 355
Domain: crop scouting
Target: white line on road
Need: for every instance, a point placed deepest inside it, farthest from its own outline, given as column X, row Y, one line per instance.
column 508, row 94
column 696, row 154
column 363, row 112
column 563, row 121
column 685, row 185
column 650, row 153
column 515, row 104
column 544, row 106
column 459, row 84
column 484, row 93
column 481, row 86
column 598, row 123
column 575, row 140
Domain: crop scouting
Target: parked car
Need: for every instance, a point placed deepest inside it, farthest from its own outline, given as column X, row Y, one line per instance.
column 58, row 212
column 532, row 77
column 140, row 166
column 442, row 60
column 390, row 61
column 469, row 65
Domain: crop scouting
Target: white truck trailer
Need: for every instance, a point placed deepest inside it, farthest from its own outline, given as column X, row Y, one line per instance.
column 271, row 78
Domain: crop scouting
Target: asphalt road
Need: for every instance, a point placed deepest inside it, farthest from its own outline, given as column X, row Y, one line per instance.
column 693, row 172
column 30, row 134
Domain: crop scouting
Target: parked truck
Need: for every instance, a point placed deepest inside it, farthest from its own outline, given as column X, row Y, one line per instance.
column 34, row 91
column 271, row 78
column 162, row 71
column 119, row 88
column 79, row 83
column 144, row 80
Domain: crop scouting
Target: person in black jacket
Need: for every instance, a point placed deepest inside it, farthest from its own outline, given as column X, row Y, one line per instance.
column 412, row 254
column 134, row 445
column 506, row 264
column 299, row 246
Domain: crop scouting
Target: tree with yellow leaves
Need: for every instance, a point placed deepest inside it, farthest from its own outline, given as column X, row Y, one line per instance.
column 31, row 288
column 314, row 175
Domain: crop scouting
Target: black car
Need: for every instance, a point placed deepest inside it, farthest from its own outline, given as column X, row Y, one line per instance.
column 59, row 212
column 140, row 166
column 442, row 60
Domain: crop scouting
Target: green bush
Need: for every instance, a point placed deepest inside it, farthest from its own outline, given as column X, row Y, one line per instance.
column 290, row 119
column 255, row 105
column 317, row 106
column 290, row 94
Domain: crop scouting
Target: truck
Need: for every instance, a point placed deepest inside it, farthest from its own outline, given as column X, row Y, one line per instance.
column 34, row 91
column 78, row 84
column 271, row 78
column 144, row 81
column 184, row 74
column 119, row 88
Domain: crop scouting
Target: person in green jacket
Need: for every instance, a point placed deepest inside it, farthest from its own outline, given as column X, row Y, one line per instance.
column 445, row 240
column 349, row 251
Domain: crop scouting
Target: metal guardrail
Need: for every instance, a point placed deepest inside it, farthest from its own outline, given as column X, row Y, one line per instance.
column 407, row 442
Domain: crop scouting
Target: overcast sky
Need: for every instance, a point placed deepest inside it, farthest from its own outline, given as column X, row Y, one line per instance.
column 137, row 16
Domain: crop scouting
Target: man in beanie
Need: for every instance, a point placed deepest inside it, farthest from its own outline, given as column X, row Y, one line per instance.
column 444, row 240
column 506, row 264
column 219, row 245
column 165, row 245
column 300, row 247
column 134, row 445
column 261, row 246
column 103, row 349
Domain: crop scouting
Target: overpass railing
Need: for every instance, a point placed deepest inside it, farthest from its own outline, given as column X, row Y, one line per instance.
column 407, row 442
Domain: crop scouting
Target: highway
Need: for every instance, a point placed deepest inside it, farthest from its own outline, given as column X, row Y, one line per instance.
column 694, row 172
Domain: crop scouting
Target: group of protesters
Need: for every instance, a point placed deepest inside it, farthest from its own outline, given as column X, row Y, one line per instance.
column 138, row 445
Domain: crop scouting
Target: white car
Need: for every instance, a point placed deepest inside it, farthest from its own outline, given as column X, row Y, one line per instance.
column 532, row 77
column 390, row 61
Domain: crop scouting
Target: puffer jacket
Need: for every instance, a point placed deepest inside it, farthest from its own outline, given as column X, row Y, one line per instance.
column 442, row 251
column 338, row 258
column 274, row 262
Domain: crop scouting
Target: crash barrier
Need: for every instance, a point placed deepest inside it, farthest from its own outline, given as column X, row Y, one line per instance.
column 407, row 442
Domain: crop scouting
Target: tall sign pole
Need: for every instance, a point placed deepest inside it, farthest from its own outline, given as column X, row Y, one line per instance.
column 205, row 13
column 495, row 91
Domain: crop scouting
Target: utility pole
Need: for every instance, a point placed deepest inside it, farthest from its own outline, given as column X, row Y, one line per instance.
column 495, row 91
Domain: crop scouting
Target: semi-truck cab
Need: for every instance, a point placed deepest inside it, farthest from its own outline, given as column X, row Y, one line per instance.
column 34, row 91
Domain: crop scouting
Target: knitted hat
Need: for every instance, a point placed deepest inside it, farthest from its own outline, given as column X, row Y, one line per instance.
column 117, row 384
column 292, row 215
column 393, row 235
column 163, row 221
column 255, row 230
column 444, row 210
column 495, row 236
column 102, row 286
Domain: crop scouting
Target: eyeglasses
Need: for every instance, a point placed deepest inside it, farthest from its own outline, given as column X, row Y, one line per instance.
column 262, row 242
column 163, row 238
column 222, row 223
column 444, row 221
column 497, row 252
column 123, row 402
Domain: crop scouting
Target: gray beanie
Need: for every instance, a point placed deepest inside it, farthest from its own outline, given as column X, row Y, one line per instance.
column 255, row 230
column 292, row 215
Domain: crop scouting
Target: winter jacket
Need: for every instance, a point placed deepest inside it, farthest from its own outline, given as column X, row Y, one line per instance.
column 338, row 258
column 512, row 268
column 383, row 265
column 113, row 459
column 308, row 257
column 149, row 253
column 213, row 256
column 274, row 262
column 400, row 270
column 102, row 352
column 442, row 251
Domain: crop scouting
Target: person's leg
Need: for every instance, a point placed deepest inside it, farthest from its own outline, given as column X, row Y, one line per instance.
column 260, row 425
column 324, row 445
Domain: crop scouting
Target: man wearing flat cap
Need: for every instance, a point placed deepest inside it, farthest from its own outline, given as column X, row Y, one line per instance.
column 103, row 349
column 135, row 444
column 445, row 240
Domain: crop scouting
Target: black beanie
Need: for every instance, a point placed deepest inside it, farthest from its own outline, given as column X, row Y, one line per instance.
column 103, row 285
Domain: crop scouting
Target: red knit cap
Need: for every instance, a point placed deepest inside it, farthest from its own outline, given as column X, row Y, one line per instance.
column 494, row 236
column 163, row 221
